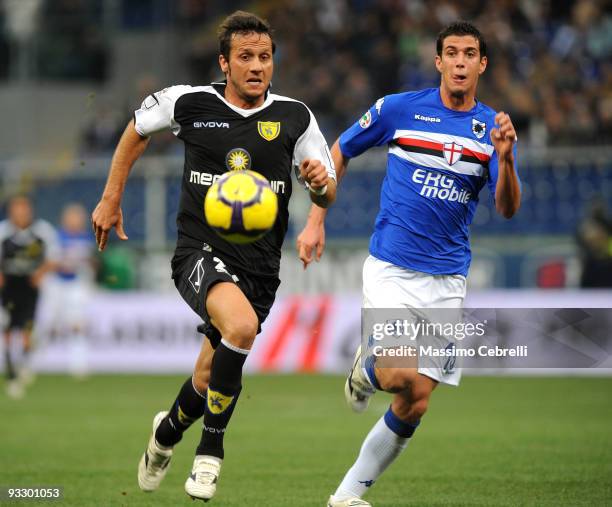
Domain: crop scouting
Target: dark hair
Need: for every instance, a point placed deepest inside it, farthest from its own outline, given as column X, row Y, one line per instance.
column 461, row 28
column 243, row 23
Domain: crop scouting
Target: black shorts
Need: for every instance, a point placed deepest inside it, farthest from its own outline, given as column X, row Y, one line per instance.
column 195, row 272
column 19, row 299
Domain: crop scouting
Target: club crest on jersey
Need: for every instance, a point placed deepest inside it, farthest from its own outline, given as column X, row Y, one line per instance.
column 479, row 128
column 238, row 159
column 365, row 120
column 217, row 402
column 452, row 152
column 269, row 130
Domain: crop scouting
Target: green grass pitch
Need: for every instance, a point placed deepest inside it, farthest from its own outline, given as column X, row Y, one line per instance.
column 493, row 441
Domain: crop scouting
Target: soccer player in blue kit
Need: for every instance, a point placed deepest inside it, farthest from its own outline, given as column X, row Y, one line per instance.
column 444, row 146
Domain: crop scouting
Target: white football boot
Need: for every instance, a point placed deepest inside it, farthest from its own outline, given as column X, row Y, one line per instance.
column 26, row 376
column 15, row 389
column 155, row 461
column 202, row 483
column 358, row 389
column 348, row 502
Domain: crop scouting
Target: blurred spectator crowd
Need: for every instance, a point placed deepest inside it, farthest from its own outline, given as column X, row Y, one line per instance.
column 550, row 63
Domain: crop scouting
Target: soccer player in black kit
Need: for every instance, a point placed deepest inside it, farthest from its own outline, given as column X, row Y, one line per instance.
column 28, row 251
column 235, row 125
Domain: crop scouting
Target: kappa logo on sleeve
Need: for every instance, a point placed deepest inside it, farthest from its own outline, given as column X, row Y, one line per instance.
column 379, row 104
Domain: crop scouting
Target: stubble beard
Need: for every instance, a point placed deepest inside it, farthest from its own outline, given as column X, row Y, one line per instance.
column 250, row 99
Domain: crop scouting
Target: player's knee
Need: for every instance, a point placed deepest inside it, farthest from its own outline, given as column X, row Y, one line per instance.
column 408, row 410
column 418, row 409
column 397, row 379
column 241, row 333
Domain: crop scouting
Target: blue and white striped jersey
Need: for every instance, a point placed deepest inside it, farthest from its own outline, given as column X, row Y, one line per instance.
column 438, row 161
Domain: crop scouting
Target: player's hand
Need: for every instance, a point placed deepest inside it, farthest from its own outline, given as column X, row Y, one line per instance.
column 36, row 279
column 503, row 136
column 314, row 173
column 311, row 238
column 106, row 216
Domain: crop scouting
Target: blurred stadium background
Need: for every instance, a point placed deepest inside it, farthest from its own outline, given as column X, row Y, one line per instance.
column 73, row 71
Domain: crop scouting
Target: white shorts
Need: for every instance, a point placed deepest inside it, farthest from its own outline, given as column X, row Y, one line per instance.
column 386, row 285
column 68, row 301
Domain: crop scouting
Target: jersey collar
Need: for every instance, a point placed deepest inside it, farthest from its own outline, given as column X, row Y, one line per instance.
column 471, row 111
column 219, row 89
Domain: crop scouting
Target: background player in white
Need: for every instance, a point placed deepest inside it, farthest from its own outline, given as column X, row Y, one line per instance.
column 70, row 288
column 225, row 126
column 444, row 146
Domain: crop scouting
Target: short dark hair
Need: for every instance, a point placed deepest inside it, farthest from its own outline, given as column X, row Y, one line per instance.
column 461, row 28
column 242, row 23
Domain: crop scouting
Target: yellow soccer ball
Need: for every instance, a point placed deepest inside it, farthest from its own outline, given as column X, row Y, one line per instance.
column 240, row 206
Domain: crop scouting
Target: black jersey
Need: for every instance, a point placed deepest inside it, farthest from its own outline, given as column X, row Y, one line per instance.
column 272, row 139
column 23, row 251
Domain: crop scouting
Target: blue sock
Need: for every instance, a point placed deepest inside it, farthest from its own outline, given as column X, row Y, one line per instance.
column 370, row 372
column 400, row 428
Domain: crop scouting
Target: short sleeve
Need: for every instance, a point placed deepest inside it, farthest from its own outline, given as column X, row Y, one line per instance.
column 312, row 145
column 5, row 228
column 374, row 128
column 156, row 112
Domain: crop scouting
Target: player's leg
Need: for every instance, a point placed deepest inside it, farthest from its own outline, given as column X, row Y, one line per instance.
column 26, row 375
column 14, row 388
column 73, row 316
column 233, row 315
column 26, row 322
column 168, row 427
column 386, row 440
column 9, row 368
column 190, row 403
column 372, row 374
column 382, row 288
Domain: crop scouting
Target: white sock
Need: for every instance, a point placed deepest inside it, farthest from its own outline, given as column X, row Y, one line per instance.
column 78, row 361
column 378, row 451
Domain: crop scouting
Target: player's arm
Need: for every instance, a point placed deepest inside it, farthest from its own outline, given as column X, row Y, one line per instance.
column 156, row 113
column 37, row 276
column 374, row 128
column 321, row 187
column 312, row 237
column 107, row 213
column 51, row 260
column 507, row 189
column 315, row 169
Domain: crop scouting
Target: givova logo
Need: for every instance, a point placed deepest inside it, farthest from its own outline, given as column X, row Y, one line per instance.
column 440, row 186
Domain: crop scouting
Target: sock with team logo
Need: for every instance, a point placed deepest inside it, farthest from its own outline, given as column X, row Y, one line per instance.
column 221, row 397
column 386, row 440
column 187, row 408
